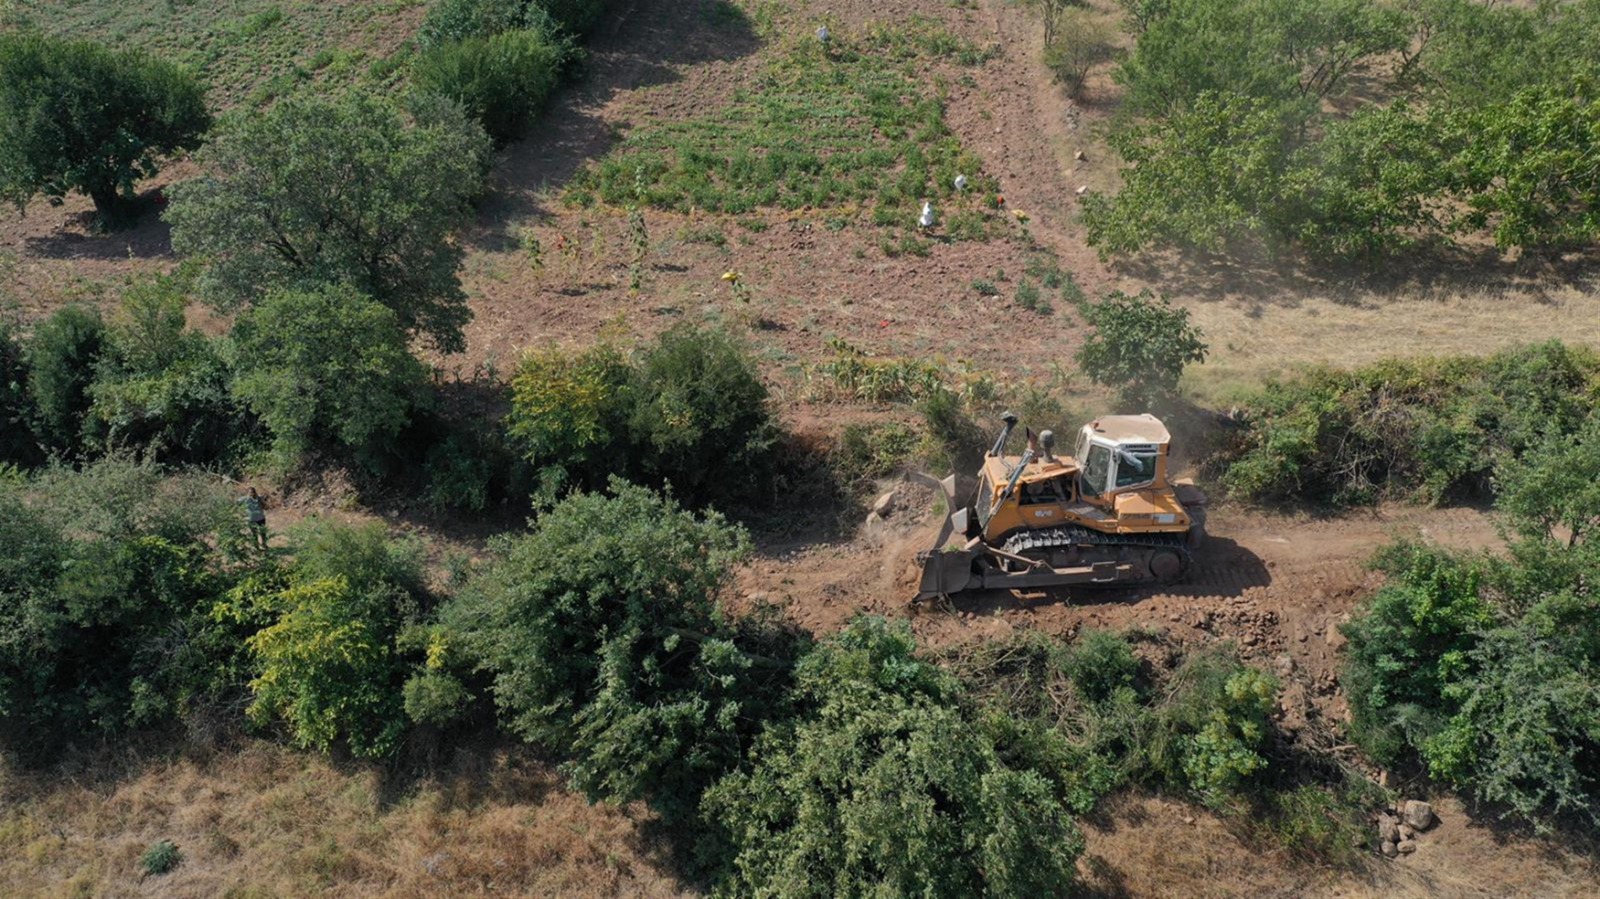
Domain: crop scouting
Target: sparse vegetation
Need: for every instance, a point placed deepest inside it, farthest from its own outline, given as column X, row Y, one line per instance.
column 852, row 125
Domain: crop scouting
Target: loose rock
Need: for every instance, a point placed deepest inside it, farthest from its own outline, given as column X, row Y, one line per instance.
column 1406, row 847
column 1388, row 849
column 884, row 505
column 1388, row 829
column 1417, row 813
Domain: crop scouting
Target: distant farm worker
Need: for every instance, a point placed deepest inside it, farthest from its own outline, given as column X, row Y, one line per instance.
column 258, row 517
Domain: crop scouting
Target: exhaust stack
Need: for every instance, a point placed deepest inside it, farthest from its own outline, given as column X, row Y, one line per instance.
column 1047, row 444
column 1010, row 419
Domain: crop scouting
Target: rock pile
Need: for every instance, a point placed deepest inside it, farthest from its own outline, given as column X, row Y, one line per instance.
column 1399, row 825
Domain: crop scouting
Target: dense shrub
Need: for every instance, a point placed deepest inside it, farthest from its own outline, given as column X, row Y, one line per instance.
column 601, row 632
column 162, row 389
column 689, row 411
column 881, row 786
column 1140, row 346
column 76, row 116
column 1431, row 428
column 449, row 21
column 326, row 367
column 324, row 653
column 569, row 416
column 500, row 80
column 106, row 589
column 1526, row 731
column 317, row 192
column 1411, row 642
column 700, row 419
column 1209, row 733
column 18, row 445
column 63, row 354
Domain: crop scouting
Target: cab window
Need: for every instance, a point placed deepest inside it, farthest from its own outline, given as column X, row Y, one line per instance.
column 1135, row 467
column 1096, row 469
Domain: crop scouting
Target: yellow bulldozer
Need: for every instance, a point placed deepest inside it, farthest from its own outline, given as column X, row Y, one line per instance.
column 1106, row 515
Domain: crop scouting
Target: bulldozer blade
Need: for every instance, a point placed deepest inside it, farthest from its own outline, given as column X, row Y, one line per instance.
column 955, row 516
column 945, row 571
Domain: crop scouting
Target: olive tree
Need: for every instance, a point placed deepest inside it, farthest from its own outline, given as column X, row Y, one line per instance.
column 345, row 191
column 75, row 116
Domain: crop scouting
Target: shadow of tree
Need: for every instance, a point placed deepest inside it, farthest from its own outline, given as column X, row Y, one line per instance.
column 648, row 44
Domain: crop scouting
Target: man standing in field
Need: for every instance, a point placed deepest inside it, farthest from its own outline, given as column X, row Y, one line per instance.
column 257, row 514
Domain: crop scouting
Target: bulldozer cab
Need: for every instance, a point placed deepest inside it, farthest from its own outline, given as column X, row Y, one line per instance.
column 1119, row 453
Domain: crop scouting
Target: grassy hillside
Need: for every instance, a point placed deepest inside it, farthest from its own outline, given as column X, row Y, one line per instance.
column 248, row 51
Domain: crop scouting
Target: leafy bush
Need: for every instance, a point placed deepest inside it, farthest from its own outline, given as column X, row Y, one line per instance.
column 1139, row 346
column 325, row 654
column 1526, row 731
column 162, row 389
column 327, row 365
column 62, row 355
column 1209, row 733
column 601, row 633
column 18, row 445
column 690, row 410
column 882, row 787
column 569, row 416
column 76, row 116
column 500, row 80
column 700, row 419
column 449, row 21
column 317, row 192
column 1432, row 428
column 1099, row 664
column 1413, row 640
column 106, row 588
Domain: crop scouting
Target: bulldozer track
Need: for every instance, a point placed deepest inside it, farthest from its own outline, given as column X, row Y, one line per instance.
column 1045, row 539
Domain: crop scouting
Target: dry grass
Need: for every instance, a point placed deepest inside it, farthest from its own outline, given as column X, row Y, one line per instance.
column 1143, row 847
column 1251, row 341
column 265, row 821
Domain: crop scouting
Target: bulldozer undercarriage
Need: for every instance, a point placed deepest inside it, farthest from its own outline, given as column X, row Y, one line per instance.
column 1067, row 556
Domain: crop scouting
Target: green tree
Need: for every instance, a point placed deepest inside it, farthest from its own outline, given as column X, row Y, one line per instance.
column 326, row 366
column 1372, row 186
column 1203, row 177
column 316, row 192
column 882, row 787
column 601, row 633
column 1139, row 346
column 63, row 354
column 500, row 80
column 76, row 116
column 1526, row 167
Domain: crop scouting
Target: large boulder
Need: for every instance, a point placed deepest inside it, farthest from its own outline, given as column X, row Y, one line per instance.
column 1417, row 813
